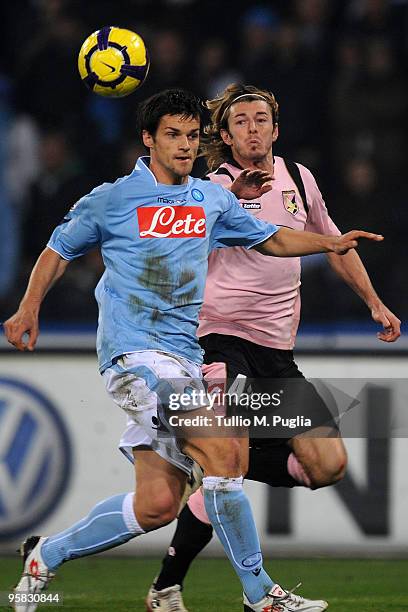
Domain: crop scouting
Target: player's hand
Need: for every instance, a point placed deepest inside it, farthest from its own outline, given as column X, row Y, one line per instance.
column 251, row 184
column 23, row 322
column 391, row 324
column 343, row 244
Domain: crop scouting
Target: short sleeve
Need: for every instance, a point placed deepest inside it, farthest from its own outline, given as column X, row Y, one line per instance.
column 79, row 231
column 220, row 179
column 236, row 227
column 318, row 219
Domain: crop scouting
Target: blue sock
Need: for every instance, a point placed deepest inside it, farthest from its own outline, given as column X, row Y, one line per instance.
column 231, row 516
column 110, row 523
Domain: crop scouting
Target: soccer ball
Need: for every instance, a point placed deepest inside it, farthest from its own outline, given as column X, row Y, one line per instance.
column 113, row 62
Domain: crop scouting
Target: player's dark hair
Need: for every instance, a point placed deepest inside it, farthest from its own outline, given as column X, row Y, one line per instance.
column 214, row 148
column 167, row 102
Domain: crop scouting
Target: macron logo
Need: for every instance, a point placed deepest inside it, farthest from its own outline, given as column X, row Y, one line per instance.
column 171, row 222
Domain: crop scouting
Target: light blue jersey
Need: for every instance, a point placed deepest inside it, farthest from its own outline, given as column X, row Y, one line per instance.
column 155, row 240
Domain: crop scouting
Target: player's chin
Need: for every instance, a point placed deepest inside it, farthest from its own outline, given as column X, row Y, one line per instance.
column 183, row 166
column 256, row 152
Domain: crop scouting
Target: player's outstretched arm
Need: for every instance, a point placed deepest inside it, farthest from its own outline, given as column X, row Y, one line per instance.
column 49, row 267
column 351, row 269
column 292, row 243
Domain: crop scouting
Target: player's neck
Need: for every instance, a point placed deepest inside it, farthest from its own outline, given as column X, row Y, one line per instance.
column 263, row 163
column 165, row 176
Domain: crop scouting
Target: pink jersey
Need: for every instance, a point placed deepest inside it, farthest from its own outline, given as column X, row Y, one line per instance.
column 254, row 296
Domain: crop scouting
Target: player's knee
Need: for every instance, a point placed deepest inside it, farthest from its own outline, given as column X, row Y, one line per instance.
column 227, row 460
column 156, row 511
column 329, row 469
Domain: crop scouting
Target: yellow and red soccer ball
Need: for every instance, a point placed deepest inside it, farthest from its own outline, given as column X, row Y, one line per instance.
column 113, row 62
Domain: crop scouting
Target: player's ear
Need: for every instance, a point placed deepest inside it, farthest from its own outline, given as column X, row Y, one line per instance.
column 226, row 136
column 148, row 139
column 275, row 132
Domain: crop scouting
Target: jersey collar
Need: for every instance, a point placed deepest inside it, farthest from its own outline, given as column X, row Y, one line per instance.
column 143, row 166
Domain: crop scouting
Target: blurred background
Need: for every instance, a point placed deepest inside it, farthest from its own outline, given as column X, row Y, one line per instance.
column 337, row 67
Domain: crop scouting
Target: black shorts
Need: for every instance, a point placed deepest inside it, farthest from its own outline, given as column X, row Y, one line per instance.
column 269, row 370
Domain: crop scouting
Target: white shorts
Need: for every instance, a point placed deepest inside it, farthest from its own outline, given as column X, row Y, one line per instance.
column 141, row 383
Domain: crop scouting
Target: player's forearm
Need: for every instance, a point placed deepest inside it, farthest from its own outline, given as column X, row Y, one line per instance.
column 292, row 243
column 49, row 267
column 351, row 270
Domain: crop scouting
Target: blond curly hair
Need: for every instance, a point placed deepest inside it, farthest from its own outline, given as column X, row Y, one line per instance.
column 213, row 147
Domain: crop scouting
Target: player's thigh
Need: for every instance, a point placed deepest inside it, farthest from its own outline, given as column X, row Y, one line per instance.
column 319, row 448
column 221, row 450
column 159, row 486
column 227, row 457
column 316, row 443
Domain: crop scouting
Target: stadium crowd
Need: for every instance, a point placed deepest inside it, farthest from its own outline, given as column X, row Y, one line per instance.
column 337, row 68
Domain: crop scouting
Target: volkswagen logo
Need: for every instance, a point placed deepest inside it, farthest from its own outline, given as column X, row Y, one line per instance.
column 35, row 458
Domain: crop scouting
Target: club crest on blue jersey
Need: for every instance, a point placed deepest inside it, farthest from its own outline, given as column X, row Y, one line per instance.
column 197, row 195
column 289, row 201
